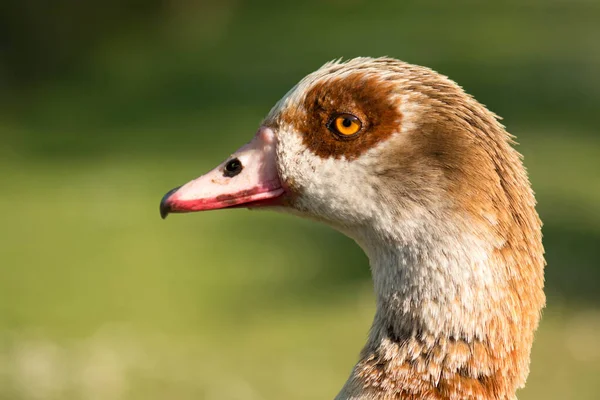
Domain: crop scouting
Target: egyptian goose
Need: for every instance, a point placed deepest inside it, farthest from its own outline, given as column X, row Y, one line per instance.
column 425, row 180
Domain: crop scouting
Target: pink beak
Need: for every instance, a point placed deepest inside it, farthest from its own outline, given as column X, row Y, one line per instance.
column 248, row 178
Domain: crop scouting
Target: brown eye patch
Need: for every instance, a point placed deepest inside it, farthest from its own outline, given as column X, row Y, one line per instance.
column 363, row 101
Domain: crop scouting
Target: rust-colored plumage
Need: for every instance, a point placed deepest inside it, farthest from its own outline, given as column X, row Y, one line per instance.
column 451, row 147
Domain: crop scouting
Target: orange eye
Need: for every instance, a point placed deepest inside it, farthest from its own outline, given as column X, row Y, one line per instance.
column 345, row 124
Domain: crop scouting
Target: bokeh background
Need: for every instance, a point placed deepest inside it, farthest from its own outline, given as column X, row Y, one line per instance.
column 107, row 104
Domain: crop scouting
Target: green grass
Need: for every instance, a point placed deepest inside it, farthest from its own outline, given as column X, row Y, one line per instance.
column 102, row 299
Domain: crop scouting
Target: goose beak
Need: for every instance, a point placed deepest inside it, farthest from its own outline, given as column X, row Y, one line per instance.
column 248, row 178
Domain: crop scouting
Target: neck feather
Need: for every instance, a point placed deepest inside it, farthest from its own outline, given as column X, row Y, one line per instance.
column 454, row 318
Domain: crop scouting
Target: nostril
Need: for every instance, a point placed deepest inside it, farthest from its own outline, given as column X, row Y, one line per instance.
column 232, row 168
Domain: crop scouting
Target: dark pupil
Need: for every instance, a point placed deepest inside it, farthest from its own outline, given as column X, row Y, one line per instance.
column 232, row 168
column 347, row 122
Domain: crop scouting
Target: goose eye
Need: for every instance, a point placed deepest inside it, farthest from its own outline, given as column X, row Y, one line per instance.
column 345, row 124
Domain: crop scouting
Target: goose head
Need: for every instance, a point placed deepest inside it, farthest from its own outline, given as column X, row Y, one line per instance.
column 426, row 181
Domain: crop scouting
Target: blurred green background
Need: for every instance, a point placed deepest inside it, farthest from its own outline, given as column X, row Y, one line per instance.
column 105, row 105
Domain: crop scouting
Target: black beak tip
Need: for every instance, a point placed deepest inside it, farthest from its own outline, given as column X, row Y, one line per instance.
column 165, row 206
column 164, row 210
